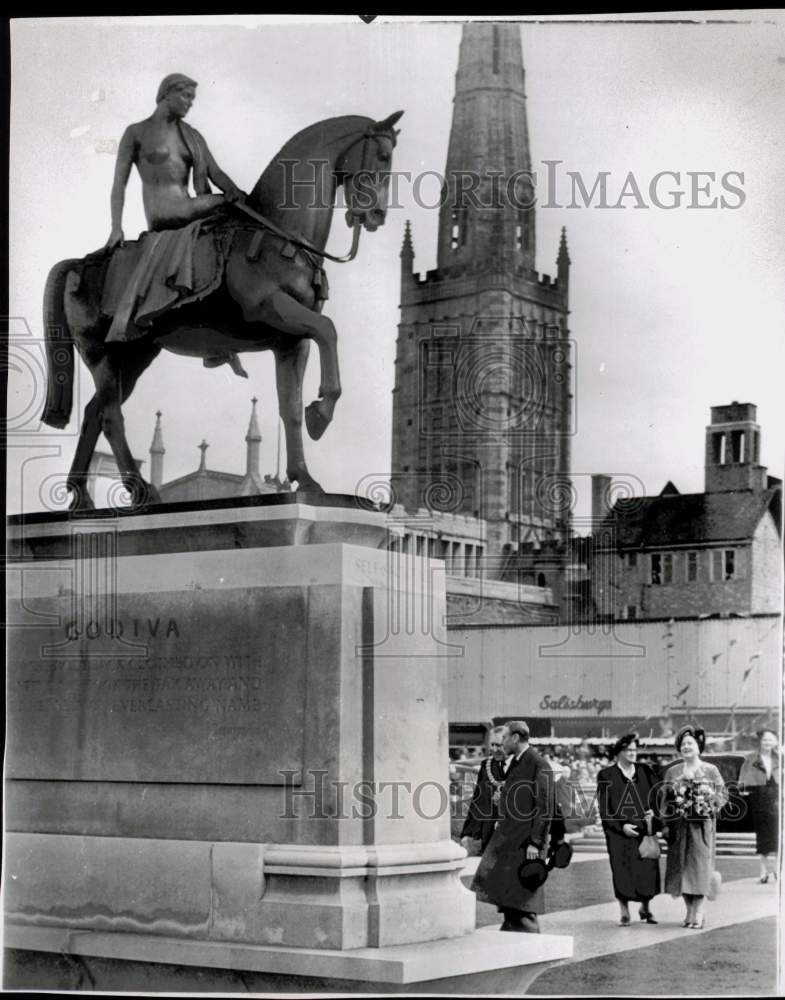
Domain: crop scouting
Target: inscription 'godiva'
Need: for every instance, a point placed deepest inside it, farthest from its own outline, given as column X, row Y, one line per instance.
column 115, row 628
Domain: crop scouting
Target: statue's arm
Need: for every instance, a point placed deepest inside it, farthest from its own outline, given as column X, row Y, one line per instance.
column 221, row 180
column 126, row 156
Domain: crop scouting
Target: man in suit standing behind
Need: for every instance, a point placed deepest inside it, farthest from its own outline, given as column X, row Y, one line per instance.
column 520, row 836
column 484, row 806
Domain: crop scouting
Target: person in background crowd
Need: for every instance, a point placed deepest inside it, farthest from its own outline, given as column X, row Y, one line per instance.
column 520, row 836
column 484, row 807
column 694, row 795
column 626, row 794
column 760, row 781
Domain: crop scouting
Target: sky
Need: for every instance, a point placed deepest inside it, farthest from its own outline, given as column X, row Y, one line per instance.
column 672, row 310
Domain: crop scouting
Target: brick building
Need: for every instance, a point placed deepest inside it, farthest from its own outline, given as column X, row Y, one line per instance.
column 698, row 554
column 482, row 397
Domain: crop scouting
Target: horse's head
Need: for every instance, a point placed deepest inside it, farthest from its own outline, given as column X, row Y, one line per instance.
column 364, row 169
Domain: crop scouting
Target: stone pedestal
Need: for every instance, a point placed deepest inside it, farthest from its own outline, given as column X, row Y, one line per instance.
column 227, row 729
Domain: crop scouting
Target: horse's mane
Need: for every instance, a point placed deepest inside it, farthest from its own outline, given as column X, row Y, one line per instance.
column 312, row 142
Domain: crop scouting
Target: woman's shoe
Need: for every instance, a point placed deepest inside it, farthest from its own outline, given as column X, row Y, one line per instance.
column 764, row 879
column 625, row 920
column 698, row 924
column 648, row 916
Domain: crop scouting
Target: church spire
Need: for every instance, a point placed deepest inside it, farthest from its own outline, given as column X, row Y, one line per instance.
column 157, row 452
column 488, row 212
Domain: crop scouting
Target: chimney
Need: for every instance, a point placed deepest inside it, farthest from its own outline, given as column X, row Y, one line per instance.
column 600, row 498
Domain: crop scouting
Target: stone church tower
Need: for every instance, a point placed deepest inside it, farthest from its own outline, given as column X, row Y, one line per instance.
column 482, row 413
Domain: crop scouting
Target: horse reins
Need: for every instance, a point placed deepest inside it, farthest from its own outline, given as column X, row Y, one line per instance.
column 301, row 242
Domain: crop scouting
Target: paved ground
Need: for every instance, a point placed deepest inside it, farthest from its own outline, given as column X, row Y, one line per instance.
column 736, row 953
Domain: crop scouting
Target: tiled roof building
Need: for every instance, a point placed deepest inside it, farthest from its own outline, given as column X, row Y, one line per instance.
column 697, row 554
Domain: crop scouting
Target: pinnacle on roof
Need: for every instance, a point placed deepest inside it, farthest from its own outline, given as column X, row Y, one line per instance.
column 253, row 433
column 564, row 254
column 407, row 247
column 157, row 446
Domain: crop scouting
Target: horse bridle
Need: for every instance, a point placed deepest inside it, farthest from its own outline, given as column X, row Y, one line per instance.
column 308, row 248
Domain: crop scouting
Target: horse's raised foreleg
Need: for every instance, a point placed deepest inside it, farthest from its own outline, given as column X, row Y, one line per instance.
column 289, row 370
column 286, row 314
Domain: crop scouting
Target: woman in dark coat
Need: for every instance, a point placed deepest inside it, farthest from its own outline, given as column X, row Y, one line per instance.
column 760, row 781
column 626, row 793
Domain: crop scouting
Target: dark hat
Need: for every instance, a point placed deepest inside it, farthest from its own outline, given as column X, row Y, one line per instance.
column 623, row 742
column 532, row 874
column 561, row 855
column 698, row 734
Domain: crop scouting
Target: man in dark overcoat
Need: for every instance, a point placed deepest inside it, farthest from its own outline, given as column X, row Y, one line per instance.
column 520, row 836
column 484, row 806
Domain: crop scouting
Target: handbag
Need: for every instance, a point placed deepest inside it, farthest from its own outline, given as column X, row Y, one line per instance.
column 649, row 847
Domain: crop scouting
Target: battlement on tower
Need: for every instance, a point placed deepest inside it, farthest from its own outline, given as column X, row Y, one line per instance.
column 460, row 279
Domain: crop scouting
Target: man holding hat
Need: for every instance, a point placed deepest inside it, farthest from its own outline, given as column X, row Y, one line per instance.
column 512, row 869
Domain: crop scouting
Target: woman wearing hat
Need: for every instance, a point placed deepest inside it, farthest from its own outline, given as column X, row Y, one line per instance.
column 695, row 793
column 626, row 794
column 760, row 780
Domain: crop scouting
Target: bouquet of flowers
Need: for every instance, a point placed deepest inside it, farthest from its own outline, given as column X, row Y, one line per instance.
column 695, row 798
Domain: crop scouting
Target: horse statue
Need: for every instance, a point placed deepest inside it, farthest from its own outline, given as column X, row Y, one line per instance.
column 266, row 293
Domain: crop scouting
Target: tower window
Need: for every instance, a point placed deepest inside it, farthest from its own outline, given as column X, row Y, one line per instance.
column 692, row 567
column 522, row 233
column 457, row 229
column 496, row 50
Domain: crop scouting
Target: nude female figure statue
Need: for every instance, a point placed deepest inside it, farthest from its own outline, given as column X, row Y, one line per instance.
column 165, row 150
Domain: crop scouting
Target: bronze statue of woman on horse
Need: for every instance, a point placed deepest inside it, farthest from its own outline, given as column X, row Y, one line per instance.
column 215, row 275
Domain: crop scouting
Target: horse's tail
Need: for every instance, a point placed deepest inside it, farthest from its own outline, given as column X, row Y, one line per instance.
column 59, row 349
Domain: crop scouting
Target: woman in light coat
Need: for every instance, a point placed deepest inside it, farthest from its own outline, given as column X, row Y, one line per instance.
column 694, row 795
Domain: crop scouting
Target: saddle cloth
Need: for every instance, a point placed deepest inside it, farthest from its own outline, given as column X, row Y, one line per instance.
column 158, row 272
